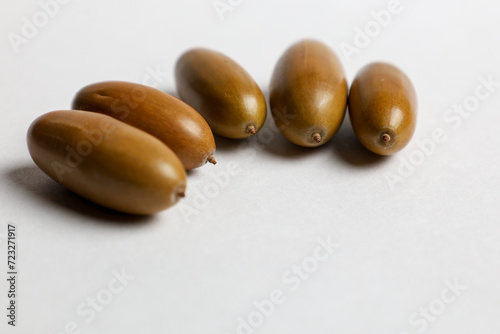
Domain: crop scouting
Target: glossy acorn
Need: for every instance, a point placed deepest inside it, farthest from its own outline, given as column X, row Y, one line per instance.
column 107, row 161
column 222, row 91
column 167, row 118
column 308, row 93
column 383, row 108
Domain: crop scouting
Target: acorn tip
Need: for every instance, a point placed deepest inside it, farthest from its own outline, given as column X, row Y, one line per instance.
column 251, row 129
column 317, row 137
column 212, row 160
column 385, row 138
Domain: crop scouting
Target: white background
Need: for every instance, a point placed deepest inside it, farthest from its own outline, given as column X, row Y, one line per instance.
column 198, row 271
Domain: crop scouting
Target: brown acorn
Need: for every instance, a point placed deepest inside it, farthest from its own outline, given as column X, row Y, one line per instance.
column 222, row 91
column 167, row 118
column 383, row 108
column 308, row 94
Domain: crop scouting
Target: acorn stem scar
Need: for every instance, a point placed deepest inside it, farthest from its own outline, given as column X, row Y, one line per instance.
column 316, row 137
column 251, row 129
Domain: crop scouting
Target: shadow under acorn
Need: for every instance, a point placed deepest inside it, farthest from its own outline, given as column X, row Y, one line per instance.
column 269, row 139
column 344, row 145
column 348, row 147
column 36, row 183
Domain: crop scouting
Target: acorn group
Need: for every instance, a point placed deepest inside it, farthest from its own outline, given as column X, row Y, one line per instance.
column 126, row 146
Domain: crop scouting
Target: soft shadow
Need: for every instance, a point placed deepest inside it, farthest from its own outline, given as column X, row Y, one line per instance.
column 282, row 147
column 198, row 170
column 349, row 148
column 36, row 183
column 227, row 144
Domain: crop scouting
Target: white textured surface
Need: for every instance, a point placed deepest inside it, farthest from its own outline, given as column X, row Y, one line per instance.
column 198, row 274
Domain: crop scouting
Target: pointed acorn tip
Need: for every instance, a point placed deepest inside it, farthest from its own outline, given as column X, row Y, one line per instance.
column 317, row 137
column 251, row 129
column 212, row 160
column 385, row 138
